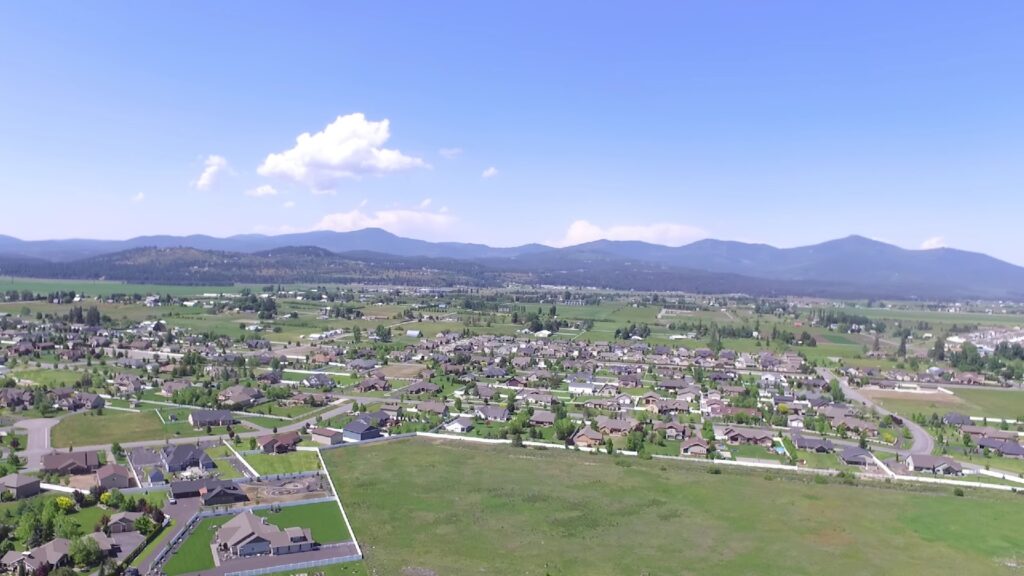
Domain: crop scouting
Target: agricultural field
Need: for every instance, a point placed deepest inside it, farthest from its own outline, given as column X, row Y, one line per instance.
column 988, row 403
column 569, row 513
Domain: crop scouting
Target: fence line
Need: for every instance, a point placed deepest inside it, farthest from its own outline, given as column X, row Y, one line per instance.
column 255, row 474
column 297, row 566
column 337, row 499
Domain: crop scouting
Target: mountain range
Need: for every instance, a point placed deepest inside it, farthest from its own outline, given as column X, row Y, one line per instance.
column 849, row 267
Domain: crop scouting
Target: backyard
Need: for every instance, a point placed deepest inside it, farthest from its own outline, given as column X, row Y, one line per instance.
column 469, row 509
column 287, row 463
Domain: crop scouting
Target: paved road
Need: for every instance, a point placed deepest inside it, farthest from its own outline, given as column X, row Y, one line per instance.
column 38, row 440
column 923, row 442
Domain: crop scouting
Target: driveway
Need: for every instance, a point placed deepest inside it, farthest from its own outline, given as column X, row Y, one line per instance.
column 38, row 440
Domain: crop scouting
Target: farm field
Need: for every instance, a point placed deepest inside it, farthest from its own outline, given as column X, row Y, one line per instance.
column 566, row 513
column 996, row 403
column 323, row 519
column 270, row 464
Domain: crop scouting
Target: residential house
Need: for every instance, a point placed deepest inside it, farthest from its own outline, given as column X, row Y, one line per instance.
column 248, row 535
column 110, row 476
column 934, row 464
column 695, row 446
column 20, row 485
column 51, row 555
column 587, row 437
column 278, row 443
column 856, row 456
column 360, row 430
column 181, row 457
column 492, row 413
column 737, row 435
column 812, row 444
column 122, row 522
column 203, row 418
column 239, row 396
column 326, row 436
column 460, row 425
column 71, row 462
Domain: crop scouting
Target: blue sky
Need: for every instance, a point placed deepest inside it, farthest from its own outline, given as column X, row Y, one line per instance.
column 785, row 122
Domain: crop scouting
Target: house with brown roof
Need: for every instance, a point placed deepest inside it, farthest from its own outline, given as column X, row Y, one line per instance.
column 278, row 443
column 71, row 462
column 112, row 476
column 326, row 436
column 248, row 535
column 587, row 437
column 755, row 436
column 695, row 446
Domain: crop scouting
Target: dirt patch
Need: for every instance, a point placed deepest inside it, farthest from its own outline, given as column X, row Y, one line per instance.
column 82, row 481
column 410, row 370
column 287, row 490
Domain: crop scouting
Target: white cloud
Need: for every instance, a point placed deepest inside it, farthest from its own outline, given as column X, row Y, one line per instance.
column 262, row 191
column 289, row 204
column 425, row 203
column 490, row 172
column 212, row 167
column 933, row 243
column 138, row 198
column 402, row 221
column 450, row 153
column 582, row 231
column 349, row 147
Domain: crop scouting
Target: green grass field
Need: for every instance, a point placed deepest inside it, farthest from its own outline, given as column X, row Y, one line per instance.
column 501, row 511
column 115, row 426
column 153, row 546
column 195, row 554
column 989, row 403
column 270, row 464
column 323, row 519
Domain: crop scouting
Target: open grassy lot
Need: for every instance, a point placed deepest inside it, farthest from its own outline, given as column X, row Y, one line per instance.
column 115, row 426
column 323, row 519
column 49, row 377
column 195, row 554
column 990, row 403
column 479, row 509
column 270, row 464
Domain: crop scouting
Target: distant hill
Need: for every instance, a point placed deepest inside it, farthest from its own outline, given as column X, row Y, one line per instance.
column 849, row 267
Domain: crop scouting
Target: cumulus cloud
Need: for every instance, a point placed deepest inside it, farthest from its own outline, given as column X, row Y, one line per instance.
column 398, row 221
column 349, row 147
column 582, row 231
column 262, row 191
column 212, row 168
column 425, row 203
column 933, row 243
column 490, row 172
column 289, row 204
column 138, row 198
column 450, row 153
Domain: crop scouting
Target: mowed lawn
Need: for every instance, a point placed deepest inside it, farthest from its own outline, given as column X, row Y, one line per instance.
column 323, row 519
column 456, row 508
column 88, row 429
column 995, row 403
column 287, row 463
column 195, row 554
